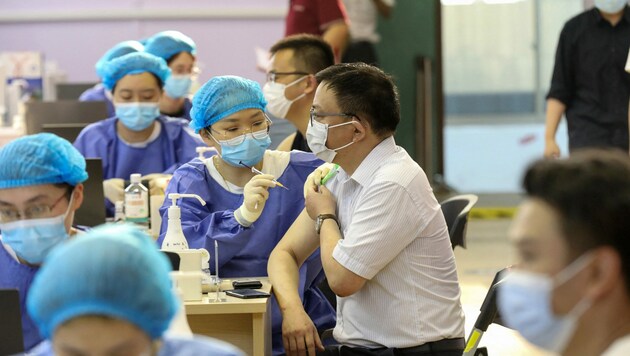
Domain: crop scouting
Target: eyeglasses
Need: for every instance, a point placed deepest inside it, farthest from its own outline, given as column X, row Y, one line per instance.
column 315, row 116
column 234, row 136
column 31, row 212
column 271, row 76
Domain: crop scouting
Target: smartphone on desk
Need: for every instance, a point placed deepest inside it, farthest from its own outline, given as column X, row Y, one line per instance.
column 247, row 284
column 247, row 293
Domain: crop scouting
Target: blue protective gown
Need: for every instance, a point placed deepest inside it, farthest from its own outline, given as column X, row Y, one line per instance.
column 14, row 275
column 244, row 252
column 171, row 346
column 97, row 93
column 174, row 147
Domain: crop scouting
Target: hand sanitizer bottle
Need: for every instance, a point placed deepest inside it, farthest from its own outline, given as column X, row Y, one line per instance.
column 175, row 239
column 137, row 202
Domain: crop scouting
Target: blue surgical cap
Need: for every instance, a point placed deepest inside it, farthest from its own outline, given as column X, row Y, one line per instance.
column 118, row 50
column 40, row 159
column 134, row 63
column 221, row 97
column 113, row 270
column 166, row 44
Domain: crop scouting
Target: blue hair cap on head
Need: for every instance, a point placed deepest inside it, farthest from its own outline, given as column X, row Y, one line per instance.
column 114, row 271
column 223, row 96
column 118, row 50
column 166, row 44
column 43, row 158
column 134, row 63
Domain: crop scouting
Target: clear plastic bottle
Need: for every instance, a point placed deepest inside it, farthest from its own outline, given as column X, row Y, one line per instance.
column 119, row 212
column 137, row 202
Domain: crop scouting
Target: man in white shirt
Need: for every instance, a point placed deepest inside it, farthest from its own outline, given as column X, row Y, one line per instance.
column 570, row 291
column 384, row 244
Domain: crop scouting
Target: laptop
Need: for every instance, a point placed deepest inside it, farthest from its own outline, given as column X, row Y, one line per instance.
column 69, row 132
column 11, row 338
column 38, row 113
column 92, row 211
column 72, row 91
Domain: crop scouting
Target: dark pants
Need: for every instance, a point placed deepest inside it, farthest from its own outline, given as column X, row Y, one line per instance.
column 361, row 51
column 446, row 347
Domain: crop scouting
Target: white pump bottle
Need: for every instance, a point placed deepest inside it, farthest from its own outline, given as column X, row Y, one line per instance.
column 175, row 239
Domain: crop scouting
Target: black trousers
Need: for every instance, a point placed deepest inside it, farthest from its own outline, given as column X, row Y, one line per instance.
column 361, row 51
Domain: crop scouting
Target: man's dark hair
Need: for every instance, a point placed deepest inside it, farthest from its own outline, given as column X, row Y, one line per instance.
column 591, row 192
column 310, row 53
column 365, row 91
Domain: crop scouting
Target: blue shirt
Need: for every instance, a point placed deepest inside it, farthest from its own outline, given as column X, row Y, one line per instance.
column 174, row 146
column 14, row 275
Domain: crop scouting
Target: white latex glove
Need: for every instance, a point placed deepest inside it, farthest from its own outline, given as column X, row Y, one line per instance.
column 114, row 189
column 255, row 195
column 157, row 182
column 315, row 179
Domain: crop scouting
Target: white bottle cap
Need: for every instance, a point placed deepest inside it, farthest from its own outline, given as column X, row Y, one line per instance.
column 136, row 178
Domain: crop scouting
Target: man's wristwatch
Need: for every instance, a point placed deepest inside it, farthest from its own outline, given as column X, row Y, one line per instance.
column 320, row 221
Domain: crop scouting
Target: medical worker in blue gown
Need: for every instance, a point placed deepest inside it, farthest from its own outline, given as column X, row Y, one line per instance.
column 179, row 51
column 138, row 139
column 109, row 293
column 98, row 91
column 246, row 213
column 41, row 187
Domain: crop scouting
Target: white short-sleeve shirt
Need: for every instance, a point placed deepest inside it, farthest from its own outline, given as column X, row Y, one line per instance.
column 395, row 236
column 363, row 18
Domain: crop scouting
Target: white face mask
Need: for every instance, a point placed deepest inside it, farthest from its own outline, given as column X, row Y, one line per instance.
column 524, row 301
column 277, row 104
column 316, row 137
column 610, row 6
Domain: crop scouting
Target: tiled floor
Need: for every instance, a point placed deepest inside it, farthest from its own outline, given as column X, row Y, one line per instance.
column 488, row 252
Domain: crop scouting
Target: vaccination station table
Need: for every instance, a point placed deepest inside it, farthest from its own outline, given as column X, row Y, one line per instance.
column 245, row 323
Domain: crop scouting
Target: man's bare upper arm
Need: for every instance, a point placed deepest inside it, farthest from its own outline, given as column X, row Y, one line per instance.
column 300, row 240
column 287, row 143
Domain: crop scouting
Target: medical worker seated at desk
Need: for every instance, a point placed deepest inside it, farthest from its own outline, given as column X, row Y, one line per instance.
column 179, row 51
column 246, row 213
column 41, row 187
column 109, row 293
column 138, row 139
column 98, row 91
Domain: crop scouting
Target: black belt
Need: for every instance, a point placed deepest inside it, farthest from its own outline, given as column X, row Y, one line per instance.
column 433, row 346
column 457, row 344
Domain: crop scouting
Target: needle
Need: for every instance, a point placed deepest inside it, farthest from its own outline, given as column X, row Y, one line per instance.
column 259, row 172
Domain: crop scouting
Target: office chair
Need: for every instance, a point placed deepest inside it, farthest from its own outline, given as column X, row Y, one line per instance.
column 455, row 210
column 488, row 314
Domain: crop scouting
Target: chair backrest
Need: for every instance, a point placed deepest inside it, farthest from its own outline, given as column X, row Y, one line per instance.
column 455, row 210
column 38, row 113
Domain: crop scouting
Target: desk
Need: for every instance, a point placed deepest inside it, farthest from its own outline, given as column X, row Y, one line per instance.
column 246, row 323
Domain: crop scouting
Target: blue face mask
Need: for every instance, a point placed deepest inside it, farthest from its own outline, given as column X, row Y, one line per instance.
column 33, row 239
column 610, row 6
column 177, row 86
column 137, row 116
column 250, row 151
column 524, row 301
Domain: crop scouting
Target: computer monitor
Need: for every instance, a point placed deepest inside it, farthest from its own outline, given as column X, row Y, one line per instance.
column 38, row 113
column 11, row 337
column 72, row 91
column 92, row 211
column 68, row 131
